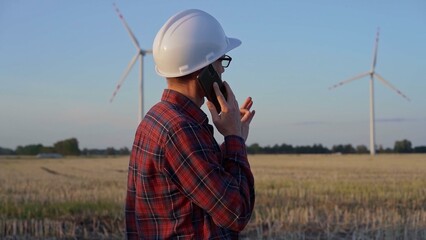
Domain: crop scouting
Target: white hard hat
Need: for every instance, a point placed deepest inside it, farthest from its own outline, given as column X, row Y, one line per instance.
column 189, row 41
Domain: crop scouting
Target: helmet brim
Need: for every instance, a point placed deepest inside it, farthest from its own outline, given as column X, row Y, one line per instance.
column 233, row 43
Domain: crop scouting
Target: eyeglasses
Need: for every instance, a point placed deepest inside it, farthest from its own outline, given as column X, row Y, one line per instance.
column 225, row 60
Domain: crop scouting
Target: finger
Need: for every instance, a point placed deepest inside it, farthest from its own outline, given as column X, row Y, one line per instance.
column 246, row 106
column 247, row 116
column 213, row 111
column 220, row 97
column 232, row 101
column 251, row 116
column 229, row 91
column 247, row 103
column 244, row 114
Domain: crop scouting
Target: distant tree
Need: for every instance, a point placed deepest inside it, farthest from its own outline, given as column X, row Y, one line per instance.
column 319, row 148
column 271, row 150
column 47, row 150
column 67, row 147
column 124, row 151
column 302, row 150
column 84, row 152
column 362, row 149
column 6, row 151
column 419, row 149
column 32, row 149
column 255, row 148
column 268, row 149
column 348, row 148
column 403, row 146
column 94, row 152
column 110, row 151
column 286, row 148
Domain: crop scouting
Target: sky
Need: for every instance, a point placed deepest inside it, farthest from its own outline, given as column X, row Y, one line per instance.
column 61, row 60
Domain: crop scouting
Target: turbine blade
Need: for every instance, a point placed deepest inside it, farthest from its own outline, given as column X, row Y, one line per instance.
column 349, row 80
column 386, row 83
column 373, row 66
column 132, row 36
column 123, row 77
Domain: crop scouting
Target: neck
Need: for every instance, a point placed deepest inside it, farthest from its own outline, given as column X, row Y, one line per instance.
column 188, row 87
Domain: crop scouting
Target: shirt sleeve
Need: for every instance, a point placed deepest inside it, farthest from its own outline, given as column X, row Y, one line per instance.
column 220, row 182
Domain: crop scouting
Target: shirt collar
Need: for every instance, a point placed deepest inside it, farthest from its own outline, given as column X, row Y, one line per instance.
column 185, row 104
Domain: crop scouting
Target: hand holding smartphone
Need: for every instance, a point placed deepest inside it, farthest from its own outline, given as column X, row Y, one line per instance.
column 206, row 78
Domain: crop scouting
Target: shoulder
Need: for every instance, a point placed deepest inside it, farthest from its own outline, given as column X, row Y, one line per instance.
column 168, row 116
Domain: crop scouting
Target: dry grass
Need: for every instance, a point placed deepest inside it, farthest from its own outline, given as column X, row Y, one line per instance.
column 62, row 198
column 297, row 197
column 335, row 197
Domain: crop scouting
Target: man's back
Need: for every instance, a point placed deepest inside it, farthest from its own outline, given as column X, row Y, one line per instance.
column 181, row 183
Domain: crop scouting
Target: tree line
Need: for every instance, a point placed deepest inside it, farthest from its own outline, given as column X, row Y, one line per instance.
column 402, row 146
column 67, row 147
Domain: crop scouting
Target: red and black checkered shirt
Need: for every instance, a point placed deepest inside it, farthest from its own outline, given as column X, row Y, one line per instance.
column 181, row 183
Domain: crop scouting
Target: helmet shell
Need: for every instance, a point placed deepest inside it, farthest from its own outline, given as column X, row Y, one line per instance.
column 189, row 41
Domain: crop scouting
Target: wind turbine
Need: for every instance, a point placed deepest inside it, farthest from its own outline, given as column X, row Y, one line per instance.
column 372, row 74
column 139, row 55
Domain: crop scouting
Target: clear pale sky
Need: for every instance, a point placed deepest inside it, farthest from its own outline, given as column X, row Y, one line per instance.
column 60, row 62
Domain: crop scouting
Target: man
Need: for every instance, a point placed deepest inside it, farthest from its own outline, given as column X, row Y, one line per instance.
column 181, row 183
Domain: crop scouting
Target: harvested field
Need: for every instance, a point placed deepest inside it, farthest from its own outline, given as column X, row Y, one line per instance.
column 297, row 197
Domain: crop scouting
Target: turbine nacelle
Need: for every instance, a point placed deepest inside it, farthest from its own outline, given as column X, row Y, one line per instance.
column 145, row 52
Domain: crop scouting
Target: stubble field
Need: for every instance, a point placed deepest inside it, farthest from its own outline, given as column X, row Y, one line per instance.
column 297, row 197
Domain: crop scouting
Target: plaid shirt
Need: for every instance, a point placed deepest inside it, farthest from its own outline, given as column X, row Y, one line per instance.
column 181, row 183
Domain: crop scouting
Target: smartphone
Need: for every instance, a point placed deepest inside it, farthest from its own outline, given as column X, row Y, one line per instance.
column 206, row 78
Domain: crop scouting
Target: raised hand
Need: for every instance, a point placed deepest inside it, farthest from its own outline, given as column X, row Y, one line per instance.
column 228, row 122
column 246, row 117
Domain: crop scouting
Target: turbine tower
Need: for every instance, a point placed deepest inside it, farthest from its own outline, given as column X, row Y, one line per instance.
column 372, row 73
column 139, row 55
